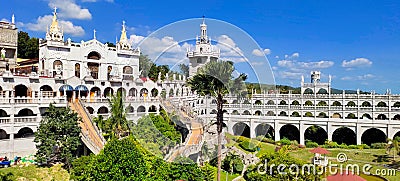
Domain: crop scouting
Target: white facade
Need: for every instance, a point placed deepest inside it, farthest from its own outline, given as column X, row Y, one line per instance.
column 65, row 67
column 204, row 52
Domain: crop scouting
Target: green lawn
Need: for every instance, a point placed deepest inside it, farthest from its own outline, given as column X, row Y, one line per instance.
column 355, row 156
column 32, row 172
column 230, row 176
column 375, row 157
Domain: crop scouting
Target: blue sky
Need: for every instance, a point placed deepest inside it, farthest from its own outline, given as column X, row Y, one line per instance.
column 357, row 42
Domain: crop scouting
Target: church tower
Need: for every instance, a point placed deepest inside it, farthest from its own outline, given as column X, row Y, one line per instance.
column 123, row 43
column 55, row 33
column 204, row 52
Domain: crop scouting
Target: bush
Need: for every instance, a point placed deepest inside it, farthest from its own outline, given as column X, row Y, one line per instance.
column 285, row 141
column 378, row 145
column 343, row 146
column 311, row 144
column 331, row 144
column 352, row 147
column 232, row 160
column 363, row 146
column 240, row 139
column 247, row 145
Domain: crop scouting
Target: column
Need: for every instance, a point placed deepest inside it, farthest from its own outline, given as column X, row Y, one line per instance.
column 329, row 130
column 358, row 133
column 11, row 146
column 276, row 129
column 301, row 129
column 252, row 129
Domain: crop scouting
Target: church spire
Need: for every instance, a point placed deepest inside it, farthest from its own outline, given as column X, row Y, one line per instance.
column 55, row 33
column 54, row 23
column 123, row 43
column 123, row 33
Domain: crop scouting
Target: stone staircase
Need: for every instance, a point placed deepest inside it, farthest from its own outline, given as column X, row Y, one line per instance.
column 193, row 144
column 90, row 134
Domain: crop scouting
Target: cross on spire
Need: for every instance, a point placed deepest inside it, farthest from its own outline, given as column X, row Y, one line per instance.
column 55, row 9
column 204, row 19
column 94, row 33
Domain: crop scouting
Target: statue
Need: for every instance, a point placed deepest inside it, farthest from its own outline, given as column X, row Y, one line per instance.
column 3, row 53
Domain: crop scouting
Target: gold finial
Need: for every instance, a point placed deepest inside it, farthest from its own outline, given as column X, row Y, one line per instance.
column 123, row 33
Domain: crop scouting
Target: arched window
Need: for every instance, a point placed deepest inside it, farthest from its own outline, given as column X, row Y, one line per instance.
column 78, row 70
column 94, row 56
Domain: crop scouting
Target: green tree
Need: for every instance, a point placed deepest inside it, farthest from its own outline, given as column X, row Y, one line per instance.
column 109, row 44
column 57, row 138
column 184, row 69
column 117, row 121
column 145, row 65
column 27, row 47
column 215, row 79
column 126, row 159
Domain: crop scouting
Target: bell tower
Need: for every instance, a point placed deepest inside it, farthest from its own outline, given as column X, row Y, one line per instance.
column 204, row 52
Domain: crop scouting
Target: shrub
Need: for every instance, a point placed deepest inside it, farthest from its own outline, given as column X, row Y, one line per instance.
column 311, row 144
column 378, row 145
column 331, row 144
column 285, row 141
column 234, row 162
column 247, row 145
column 352, row 147
column 363, row 146
column 343, row 146
column 240, row 139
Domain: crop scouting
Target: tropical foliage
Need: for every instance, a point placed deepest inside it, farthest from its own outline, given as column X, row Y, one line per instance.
column 158, row 133
column 57, row 138
column 28, row 47
column 117, row 122
column 215, row 79
column 126, row 159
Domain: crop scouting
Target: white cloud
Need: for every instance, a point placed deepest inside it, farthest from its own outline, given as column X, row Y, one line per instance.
column 161, row 50
column 358, row 62
column 229, row 50
column 267, row 51
column 4, row 20
column 289, row 75
column 360, row 77
column 69, row 9
column 260, row 53
column 295, row 65
column 257, row 52
column 44, row 21
column 295, row 55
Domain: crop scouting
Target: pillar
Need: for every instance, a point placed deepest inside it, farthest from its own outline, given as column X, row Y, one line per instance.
column 277, row 127
column 252, row 129
column 329, row 130
column 302, row 130
column 358, row 134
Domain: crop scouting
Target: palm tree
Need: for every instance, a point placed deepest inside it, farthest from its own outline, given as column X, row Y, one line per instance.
column 215, row 79
column 117, row 121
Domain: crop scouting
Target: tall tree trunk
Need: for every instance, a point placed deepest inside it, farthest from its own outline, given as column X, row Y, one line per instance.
column 220, row 119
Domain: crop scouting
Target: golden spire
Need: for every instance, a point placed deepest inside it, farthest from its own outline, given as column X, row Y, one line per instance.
column 54, row 23
column 123, row 38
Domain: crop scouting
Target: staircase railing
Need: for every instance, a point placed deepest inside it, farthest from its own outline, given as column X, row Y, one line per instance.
column 91, row 121
column 92, row 139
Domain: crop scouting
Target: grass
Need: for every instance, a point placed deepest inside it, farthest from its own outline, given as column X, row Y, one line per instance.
column 375, row 157
column 33, row 172
column 355, row 156
column 230, row 176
